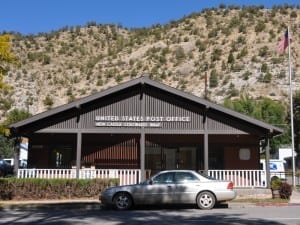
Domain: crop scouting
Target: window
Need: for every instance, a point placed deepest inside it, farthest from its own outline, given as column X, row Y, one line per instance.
column 165, row 178
column 244, row 154
column 185, row 177
column 61, row 157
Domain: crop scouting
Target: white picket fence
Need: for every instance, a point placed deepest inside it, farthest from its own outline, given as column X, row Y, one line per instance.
column 240, row 178
column 126, row 176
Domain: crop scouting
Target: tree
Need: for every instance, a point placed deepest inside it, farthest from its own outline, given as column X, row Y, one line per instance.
column 296, row 109
column 6, row 145
column 213, row 79
column 244, row 104
column 230, row 59
column 12, row 117
column 266, row 110
column 6, row 57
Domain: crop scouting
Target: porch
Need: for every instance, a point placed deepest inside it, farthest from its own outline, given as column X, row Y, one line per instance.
column 241, row 178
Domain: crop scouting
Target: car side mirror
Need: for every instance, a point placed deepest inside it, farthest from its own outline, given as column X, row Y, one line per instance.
column 150, row 182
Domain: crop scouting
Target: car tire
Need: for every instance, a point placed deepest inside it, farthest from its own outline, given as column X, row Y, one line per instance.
column 122, row 201
column 206, row 200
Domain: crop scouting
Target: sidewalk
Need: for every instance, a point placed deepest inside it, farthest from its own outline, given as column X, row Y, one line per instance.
column 49, row 202
column 83, row 204
column 295, row 198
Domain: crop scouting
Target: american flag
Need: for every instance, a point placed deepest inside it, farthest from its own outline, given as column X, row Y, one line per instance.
column 284, row 42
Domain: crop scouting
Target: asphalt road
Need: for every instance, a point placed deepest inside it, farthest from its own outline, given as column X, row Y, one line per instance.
column 91, row 213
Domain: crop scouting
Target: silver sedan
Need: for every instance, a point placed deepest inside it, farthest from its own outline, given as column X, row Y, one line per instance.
column 170, row 187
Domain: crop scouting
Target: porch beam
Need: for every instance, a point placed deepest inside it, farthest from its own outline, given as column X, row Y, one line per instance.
column 206, row 166
column 268, row 161
column 79, row 143
column 78, row 154
column 17, row 142
column 205, row 149
column 142, row 136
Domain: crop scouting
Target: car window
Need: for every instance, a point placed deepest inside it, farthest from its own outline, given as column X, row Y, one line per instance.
column 207, row 176
column 165, row 178
column 185, row 177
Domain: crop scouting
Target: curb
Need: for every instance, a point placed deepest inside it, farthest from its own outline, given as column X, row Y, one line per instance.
column 74, row 203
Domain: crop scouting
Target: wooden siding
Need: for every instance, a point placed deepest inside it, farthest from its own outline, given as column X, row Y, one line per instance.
column 158, row 104
column 166, row 106
column 70, row 123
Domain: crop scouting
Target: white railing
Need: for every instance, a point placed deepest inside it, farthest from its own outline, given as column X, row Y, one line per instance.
column 126, row 176
column 240, row 178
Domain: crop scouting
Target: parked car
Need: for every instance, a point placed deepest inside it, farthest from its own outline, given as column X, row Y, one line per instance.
column 22, row 162
column 170, row 187
column 5, row 168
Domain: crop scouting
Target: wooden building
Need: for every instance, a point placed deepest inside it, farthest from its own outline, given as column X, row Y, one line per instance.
column 143, row 124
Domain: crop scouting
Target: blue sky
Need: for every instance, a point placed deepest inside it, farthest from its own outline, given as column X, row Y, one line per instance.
column 34, row 16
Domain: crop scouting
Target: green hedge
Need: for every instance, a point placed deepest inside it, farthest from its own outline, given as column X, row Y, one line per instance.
column 34, row 189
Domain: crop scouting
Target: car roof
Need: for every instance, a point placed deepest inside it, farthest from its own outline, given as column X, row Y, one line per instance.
column 168, row 171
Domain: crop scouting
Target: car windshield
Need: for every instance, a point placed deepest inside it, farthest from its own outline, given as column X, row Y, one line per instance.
column 2, row 162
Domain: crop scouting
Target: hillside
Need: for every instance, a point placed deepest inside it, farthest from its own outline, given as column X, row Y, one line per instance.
column 235, row 48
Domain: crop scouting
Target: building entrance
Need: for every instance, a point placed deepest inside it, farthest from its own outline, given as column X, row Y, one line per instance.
column 168, row 158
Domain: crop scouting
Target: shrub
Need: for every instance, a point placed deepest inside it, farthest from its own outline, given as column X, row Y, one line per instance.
column 285, row 190
column 293, row 14
column 264, row 68
column 243, row 53
column 230, row 58
column 179, row 53
column 263, row 51
column 216, row 54
column 267, row 77
column 213, row 79
column 13, row 188
column 48, row 101
column 275, row 184
column 260, row 26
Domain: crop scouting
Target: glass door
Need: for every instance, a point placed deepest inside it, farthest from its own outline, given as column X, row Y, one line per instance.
column 187, row 158
column 170, row 158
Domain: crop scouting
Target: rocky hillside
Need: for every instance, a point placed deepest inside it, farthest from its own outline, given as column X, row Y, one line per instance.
column 229, row 50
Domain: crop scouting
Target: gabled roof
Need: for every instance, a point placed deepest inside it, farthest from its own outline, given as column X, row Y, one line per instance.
column 146, row 81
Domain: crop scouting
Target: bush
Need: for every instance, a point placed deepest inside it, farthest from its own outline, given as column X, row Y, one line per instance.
column 275, row 184
column 33, row 189
column 284, row 189
column 213, row 79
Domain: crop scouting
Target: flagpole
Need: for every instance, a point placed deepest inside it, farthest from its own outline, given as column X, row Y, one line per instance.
column 291, row 109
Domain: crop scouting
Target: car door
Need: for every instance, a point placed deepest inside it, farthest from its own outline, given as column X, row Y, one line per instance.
column 159, row 190
column 187, row 187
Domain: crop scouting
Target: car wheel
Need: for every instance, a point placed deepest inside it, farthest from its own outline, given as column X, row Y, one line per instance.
column 122, row 201
column 206, row 200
